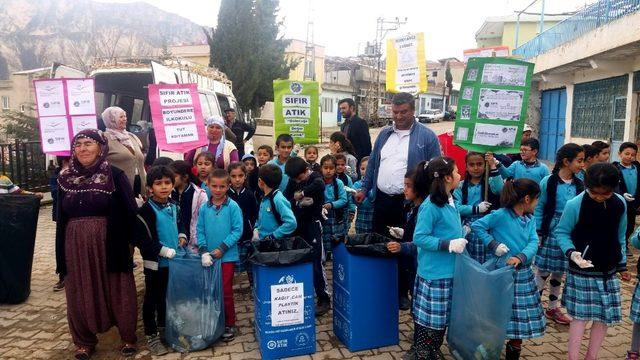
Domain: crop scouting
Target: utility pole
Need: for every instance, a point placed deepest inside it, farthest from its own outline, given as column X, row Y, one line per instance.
column 310, row 50
column 383, row 26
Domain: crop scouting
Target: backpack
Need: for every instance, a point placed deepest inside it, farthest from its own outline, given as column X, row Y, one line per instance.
column 274, row 210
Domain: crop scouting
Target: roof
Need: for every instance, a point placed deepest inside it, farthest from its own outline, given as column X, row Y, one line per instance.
column 494, row 26
column 32, row 71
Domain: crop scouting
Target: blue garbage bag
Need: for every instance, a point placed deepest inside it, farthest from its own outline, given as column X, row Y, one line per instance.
column 195, row 315
column 481, row 307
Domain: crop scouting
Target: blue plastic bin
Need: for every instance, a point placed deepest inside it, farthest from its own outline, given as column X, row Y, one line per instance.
column 365, row 300
column 282, row 340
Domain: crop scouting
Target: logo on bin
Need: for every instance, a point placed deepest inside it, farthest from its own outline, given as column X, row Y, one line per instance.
column 302, row 339
column 287, row 279
column 341, row 272
column 271, row 345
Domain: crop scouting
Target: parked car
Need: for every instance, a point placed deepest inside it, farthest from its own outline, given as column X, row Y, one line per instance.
column 450, row 115
column 431, row 116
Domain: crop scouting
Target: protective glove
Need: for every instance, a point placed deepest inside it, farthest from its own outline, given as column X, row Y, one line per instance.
column 483, row 207
column 256, row 235
column 269, row 238
column 396, row 232
column 576, row 257
column 206, row 260
column 457, row 245
column 350, row 190
column 628, row 197
column 306, row 201
column 466, row 230
column 501, row 250
column 298, row 195
column 325, row 212
column 139, row 201
column 347, row 169
column 167, row 252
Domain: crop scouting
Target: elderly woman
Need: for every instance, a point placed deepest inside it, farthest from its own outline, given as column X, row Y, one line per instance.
column 95, row 212
column 125, row 149
column 224, row 151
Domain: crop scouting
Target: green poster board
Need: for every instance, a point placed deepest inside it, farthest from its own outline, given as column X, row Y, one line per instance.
column 296, row 110
column 492, row 107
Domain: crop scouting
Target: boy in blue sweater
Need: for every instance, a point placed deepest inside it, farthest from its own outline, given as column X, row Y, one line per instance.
column 628, row 187
column 219, row 229
column 284, row 146
column 529, row 167
column 157, row 230
column 275, row 218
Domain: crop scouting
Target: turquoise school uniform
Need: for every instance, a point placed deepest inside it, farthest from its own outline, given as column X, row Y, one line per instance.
column 550, row 257
column 267, row 223
column 285, row 177
column 581, row 174
column 519, row 169
column 630, row 177
column 634, row 315
column 166, row 227
column 220, row 227
column 364, row 215
column 335, row 223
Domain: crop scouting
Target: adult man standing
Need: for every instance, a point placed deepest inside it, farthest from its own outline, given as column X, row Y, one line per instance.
column 398, row 148
column 238, row 128
column 355, row 129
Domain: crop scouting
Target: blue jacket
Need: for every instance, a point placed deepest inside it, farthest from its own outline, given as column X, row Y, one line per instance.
column 221, row 228
column 423, row 145
column 435, row 227
column 367, row 203
column 503, row 226
column 519, row 169
column 267, row 223
column 564, row 193
column 285, row 177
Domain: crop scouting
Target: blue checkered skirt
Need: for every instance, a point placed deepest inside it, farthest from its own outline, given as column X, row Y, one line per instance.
column 475, row 247
column 592, row 298
column 243, row 264
column 550, row 257
column 364, row 219
column 330, row 228
column 527, row 319
column 635, row 305
column 432, row 302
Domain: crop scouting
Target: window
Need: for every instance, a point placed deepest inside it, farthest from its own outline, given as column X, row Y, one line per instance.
column 453, row 100
column 206, row 112
column 136, row 116
column 593, row 107
column 434, row 74
column 436, row 103
column 5, row 103
column 327, row 105
column 308, row 69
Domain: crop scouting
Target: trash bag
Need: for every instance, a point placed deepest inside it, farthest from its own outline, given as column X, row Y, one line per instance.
column 284, row 251
column 195, row 315
column 481, row 308
column 369, row 244
column 18, row 221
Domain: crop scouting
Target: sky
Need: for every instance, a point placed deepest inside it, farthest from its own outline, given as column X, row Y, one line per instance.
column 343, row 27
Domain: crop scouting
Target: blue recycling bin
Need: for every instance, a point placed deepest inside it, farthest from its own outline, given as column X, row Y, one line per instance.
column 365, row 300
column 284, row 310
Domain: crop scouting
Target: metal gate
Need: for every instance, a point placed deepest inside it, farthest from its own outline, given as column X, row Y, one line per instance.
column 618, row 116
column 552, row 122
column 24, row 163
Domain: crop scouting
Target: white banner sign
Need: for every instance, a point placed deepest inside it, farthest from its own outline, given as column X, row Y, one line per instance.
column 287, row 304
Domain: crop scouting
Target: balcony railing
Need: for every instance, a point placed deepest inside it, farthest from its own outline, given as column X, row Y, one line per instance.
column 590, row 18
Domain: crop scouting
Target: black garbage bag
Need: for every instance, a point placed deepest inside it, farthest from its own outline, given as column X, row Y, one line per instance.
column 18, row 224
column 278, row 252
column 369, row 244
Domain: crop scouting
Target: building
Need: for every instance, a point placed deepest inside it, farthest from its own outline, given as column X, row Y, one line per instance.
column 511, row 31
column 296, row 50
column 437, row 96
column 587, row 77
column 196, row 53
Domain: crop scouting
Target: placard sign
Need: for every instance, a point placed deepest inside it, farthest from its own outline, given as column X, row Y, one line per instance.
column 406, row 64
column 493, row 104
column 65, row 107
column 287, row 304
column 296, row 110
column 177, row 117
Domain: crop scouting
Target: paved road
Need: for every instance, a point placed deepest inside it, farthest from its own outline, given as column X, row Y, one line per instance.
column 38, row 328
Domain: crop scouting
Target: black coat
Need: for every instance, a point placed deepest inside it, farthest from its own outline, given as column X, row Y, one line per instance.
column 358, row 134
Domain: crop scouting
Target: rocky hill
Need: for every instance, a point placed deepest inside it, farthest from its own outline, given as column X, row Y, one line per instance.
column 35, row 33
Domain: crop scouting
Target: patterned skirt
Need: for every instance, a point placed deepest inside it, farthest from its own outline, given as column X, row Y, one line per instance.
column 332, row 227
column 364, row 219
column 591, row 298
column 635, row 305
column 432, row 302
column 527, row 319
column 550, row 257
column 475, row 247
column 243, row 264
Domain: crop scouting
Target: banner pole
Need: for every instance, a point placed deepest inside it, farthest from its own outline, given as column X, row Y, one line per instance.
column 486, row 180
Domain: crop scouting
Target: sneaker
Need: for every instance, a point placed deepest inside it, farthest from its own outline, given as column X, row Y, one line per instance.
column 404, row 303
column 229, row 333
column 322, row 308
column 155, row 345
column 557, row 316
column 632, row 355
column 59, row 286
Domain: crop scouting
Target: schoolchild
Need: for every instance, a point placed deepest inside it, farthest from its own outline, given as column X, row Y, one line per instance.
column 284, row 146
column 364, row 210
column 275, row 217
column 311, row 156
column 334, row 206
column 604, row 151
column 204, row 164
column 529, row 167
column 341, row 173
column 189, row 197
column 629, row 187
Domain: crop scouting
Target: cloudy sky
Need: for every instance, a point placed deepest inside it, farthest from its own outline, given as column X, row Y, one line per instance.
column 344, row 26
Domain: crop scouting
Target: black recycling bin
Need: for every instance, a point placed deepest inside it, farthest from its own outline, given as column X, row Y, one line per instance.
column 18, row 224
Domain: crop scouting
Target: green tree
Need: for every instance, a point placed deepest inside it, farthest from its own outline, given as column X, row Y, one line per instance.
column 19, row 125
column 247, row 46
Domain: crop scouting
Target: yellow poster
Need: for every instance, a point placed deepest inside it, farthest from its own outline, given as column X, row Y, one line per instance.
column 406, row 64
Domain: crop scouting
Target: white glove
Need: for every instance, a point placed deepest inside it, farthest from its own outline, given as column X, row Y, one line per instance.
column 457, row 245
column 483, row 207
column 298, row 195
column 466, row 230
column 350, row 190
column 139, row 201
column 256, row 235
column 396, row 232
column 167, row 252
column 305, row 201
column 206, row 260
column 347, row 168
column 576, row 257
column 325, row 212
column 628, row 197
column 501, row 250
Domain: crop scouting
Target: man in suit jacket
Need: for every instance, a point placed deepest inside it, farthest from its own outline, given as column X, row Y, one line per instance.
column 355, row 129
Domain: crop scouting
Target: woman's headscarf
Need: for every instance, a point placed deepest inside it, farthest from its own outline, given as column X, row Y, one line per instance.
column 97, row 177
column 216, row 120
column 110, row 117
